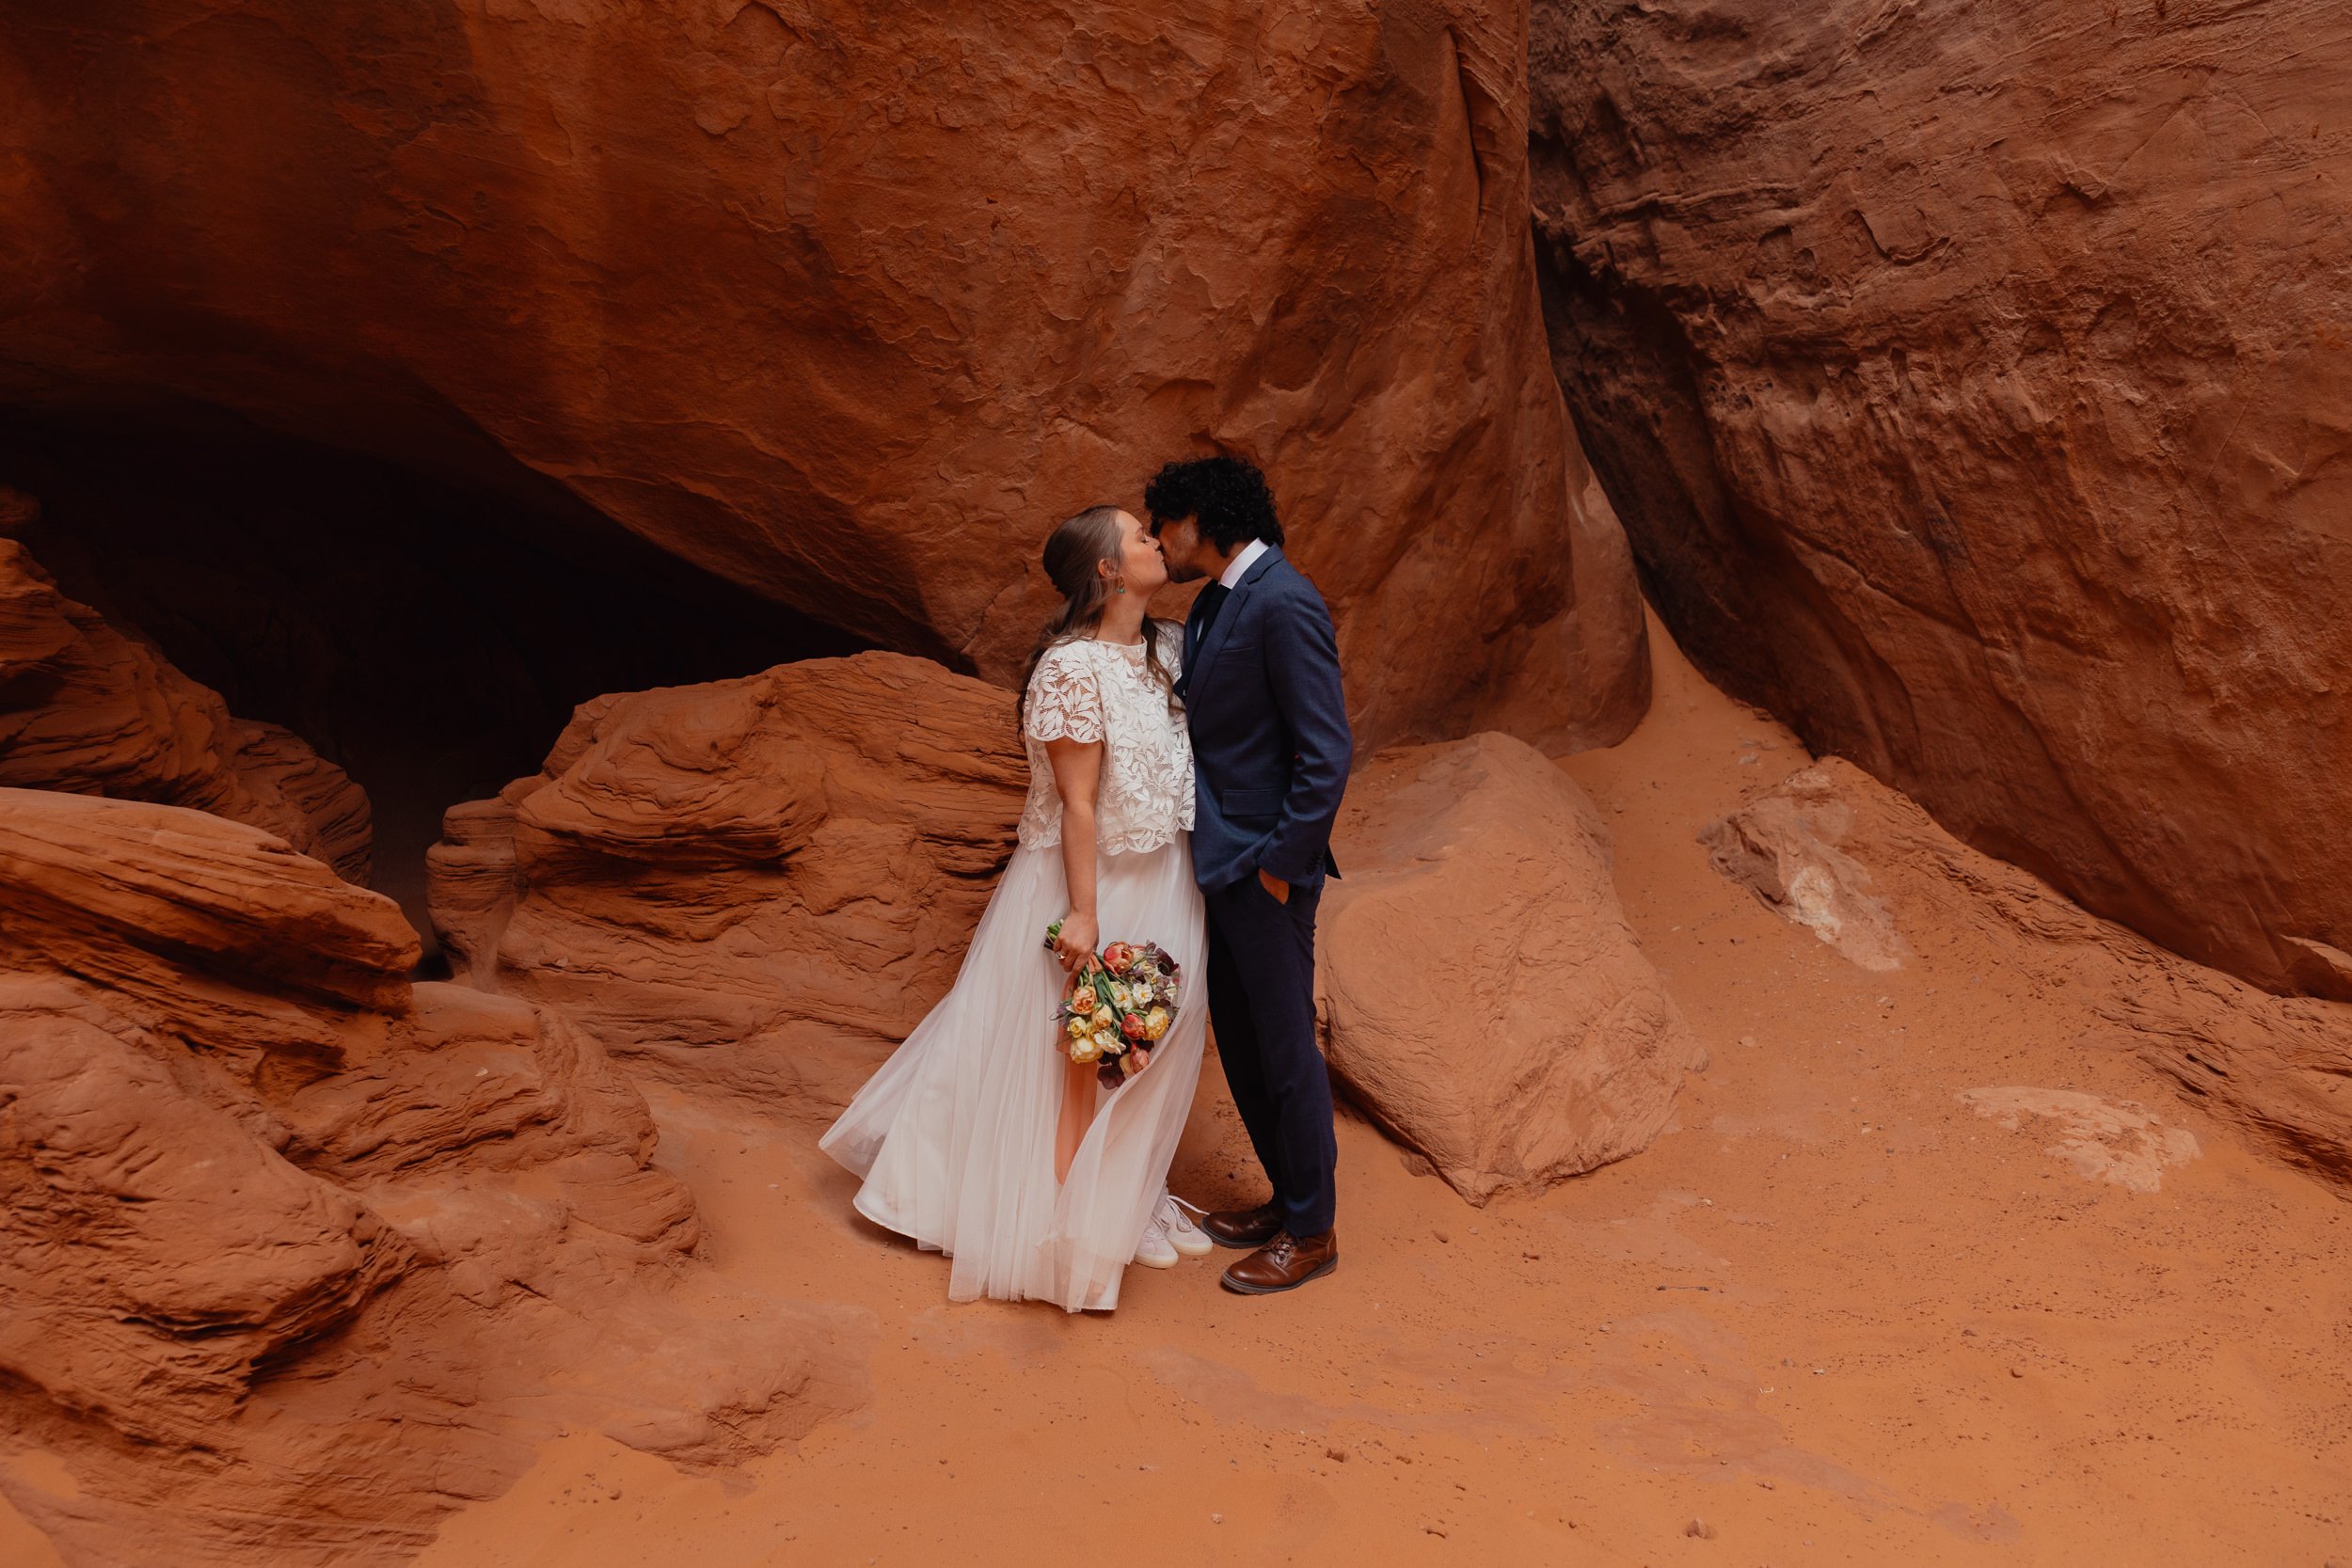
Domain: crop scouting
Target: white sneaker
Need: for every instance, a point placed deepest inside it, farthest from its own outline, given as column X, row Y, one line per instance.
column 1177, row 1225
column 1153, row 1252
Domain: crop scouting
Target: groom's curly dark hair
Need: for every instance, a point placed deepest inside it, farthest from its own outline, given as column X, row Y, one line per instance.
column 1227, row 497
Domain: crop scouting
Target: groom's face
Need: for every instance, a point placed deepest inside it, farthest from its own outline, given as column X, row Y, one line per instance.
column 1181, row 543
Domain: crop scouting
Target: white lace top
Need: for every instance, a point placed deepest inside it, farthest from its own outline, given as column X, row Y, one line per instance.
column 1089, row 690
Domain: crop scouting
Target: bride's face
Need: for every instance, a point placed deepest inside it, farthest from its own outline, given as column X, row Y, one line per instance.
column 1139, row 559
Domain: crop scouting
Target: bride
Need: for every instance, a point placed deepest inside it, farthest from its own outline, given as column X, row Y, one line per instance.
column 978, row 1137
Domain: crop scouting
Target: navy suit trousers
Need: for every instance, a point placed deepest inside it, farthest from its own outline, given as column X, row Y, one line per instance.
column 1261, row 1001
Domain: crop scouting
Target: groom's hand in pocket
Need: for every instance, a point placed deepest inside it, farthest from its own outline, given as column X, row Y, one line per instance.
column 1275, row 885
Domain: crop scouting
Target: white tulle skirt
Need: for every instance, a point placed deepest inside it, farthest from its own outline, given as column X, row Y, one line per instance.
column 954, row 1134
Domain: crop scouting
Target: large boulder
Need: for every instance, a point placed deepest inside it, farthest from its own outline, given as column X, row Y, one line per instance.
column 1969, row 381
column 1482, row 993
column 296, row 1256
column 760, row 884
column 850, row 304
column 84, row 708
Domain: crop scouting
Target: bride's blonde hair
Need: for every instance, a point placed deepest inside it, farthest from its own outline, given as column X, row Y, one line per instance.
column 1073, row 552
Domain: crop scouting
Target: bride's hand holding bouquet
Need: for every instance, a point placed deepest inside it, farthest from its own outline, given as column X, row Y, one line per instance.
column 1118, row 1003
column 1073, row 940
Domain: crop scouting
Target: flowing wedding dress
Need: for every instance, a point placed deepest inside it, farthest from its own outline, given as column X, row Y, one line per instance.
column 954, row 1134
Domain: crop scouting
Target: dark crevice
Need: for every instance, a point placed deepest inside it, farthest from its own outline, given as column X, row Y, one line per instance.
column 1481, row 114
column 430, row 639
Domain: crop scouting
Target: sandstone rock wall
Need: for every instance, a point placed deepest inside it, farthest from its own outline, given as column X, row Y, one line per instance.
column 1969, row 380
column 852, row 303
column 294, row 1256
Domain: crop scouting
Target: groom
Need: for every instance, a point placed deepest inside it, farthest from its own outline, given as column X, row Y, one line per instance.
column 1261, row 684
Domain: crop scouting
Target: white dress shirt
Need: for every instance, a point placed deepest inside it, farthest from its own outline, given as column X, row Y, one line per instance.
column 1239, row 568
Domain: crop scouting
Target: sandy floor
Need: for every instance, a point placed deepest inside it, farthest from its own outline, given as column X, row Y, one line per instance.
column 1832, row 1315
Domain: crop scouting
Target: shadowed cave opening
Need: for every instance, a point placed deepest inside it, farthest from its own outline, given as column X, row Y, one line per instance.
column 429, row 637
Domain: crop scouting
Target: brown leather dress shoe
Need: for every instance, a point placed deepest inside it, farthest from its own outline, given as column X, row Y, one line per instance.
column 1284, row 1263
column 1243, row 1228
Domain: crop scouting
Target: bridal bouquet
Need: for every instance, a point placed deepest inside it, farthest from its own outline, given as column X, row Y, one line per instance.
column 1118, row 1006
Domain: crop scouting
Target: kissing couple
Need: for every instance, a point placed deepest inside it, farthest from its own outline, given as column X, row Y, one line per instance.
column 1183, row 783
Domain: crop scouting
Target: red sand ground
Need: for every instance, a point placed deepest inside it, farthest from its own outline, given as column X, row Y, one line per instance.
column 1831, row 1317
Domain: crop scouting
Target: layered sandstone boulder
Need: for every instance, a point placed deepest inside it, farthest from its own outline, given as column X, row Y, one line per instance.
column 760, row 884
column 1970, row 387
column 850, row 304
column 1482, row 993
column 1832, row 848
column 85, row 708
column 296, row 1256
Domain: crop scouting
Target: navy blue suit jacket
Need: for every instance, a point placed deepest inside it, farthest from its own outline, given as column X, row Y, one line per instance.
column 1270, row 744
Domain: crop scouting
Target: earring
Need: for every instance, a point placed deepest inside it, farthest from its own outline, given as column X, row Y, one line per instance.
column 1122, row 585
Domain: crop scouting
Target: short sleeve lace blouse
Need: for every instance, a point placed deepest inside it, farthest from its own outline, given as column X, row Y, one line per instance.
column 1089, row 690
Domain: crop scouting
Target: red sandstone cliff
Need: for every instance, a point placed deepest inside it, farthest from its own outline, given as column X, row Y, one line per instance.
column 1970, row 380
column 852, row 304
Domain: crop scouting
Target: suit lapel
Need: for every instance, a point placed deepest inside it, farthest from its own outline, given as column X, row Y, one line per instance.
column 1213, row 643
column 1191, row 645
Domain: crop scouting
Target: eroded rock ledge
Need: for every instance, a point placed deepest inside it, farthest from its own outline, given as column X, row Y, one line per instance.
column 291, row 1250
column 761, row 884
column 84, row 708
